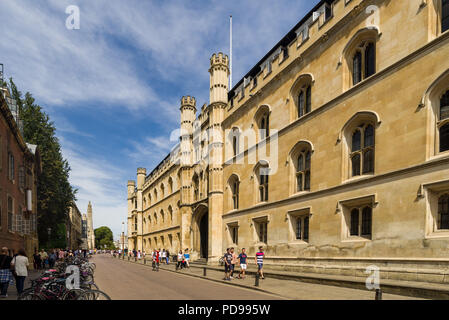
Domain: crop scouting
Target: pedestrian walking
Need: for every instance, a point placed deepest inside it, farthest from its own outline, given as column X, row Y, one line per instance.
column 233, row 262
column 187, row 257
column 163, row 256
column 228, row 261
column 37, row 260
column 155, row 260
column 5, row 272
column 167, row 256
column 138, row 255
column 20, row 264
column 243, row 263
column 180, row 260
column 52, row 259
column 259, row 261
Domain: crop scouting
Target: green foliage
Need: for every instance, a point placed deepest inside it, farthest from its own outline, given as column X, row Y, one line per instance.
column 103, row 236
column 54, row 192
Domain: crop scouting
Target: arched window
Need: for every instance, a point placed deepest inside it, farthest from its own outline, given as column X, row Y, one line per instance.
column 303, row 171
column 262, row 177
column 235, row 137
column 155, row 218
column 196, row 187
column 135, row 223
column 170, row 214
column 304, row 100
column 162, row 191
column 155, row 195
column 262, row 122
column 443, row 212
column 233, row 185
column 170, row 185
column 445, row 16
column 444, row 124
column 162, row 216
column 264, row 126
column 362, row 150
column 363, row 61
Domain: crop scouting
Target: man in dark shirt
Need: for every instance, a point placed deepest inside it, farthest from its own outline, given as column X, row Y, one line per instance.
column 5, row 272
column 243, row 263
column 227, row 260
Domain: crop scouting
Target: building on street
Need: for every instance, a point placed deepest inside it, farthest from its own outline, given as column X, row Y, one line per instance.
column 74, row 228
column 332, row 152
column 19, row 169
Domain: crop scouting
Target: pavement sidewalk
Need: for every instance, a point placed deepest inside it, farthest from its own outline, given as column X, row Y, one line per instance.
column 12, row 291
column 289, row 289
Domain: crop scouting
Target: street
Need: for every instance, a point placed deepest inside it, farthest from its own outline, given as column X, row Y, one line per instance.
column 122, row 280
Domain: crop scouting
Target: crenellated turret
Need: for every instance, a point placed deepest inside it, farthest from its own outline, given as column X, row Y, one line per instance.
column 219, row 73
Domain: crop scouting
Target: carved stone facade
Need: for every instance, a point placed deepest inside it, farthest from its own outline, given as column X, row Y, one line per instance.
column 332, row 152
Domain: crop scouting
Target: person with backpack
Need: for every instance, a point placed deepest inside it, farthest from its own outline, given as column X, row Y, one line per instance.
column 5, row 272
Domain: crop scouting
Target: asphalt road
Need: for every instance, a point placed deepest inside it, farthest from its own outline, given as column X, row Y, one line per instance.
column 122, row 280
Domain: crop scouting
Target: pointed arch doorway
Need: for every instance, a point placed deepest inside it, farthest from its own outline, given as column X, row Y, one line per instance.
column 201, row 231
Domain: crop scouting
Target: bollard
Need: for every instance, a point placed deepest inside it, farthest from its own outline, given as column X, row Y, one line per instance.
column 204, row 271
column 378, row 294
column 144, row 261
column 128, row 258
column 257, row 280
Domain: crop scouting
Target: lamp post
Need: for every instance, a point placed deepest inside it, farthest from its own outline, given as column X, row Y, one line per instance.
column 123, row 237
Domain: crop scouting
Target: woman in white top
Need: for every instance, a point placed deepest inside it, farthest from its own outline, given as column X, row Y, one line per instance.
column 20, row 263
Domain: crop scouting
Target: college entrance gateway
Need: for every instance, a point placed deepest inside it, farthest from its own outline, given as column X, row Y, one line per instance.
column 201, row 231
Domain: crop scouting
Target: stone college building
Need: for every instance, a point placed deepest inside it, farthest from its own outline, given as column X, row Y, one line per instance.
column 332, row 152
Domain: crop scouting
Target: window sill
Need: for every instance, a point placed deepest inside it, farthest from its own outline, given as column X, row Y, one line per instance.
column 355, row 239
column 439, row 234
column 298, row 243
column 439, row 155
column 357, row 178
column 299, row 193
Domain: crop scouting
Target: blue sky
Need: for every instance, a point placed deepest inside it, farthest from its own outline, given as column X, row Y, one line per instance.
column 113, row 86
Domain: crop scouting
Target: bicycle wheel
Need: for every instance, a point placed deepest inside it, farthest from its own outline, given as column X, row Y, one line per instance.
column 73, row 294
column 94, row 295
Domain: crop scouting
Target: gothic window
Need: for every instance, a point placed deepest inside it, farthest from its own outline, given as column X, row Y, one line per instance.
column 444, row 123
column 443, row 212
column 162, row 191
column 264, row 126
column 362, row 150
column 196, row 188
column 263, row 183
column 360, row 222
column 135, row 223
column 303, row 171
column 304, row 100
column 170, row 185
column 235, row 194
column 445, row 16
column 363, row 61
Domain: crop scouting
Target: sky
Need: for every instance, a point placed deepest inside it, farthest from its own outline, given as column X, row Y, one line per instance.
column 113, row 86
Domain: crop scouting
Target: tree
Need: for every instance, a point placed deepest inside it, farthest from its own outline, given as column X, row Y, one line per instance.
column 103, row 237
column 54, row 192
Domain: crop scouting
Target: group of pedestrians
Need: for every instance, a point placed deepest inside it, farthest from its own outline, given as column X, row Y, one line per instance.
column 230, row 260
column 12, row 268
column 47, row 259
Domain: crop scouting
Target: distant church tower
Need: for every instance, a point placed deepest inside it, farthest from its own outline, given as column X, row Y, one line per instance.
column 90, row 228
